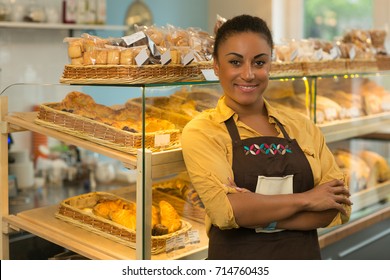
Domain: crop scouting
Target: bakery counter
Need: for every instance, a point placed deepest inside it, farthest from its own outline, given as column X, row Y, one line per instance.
column 349, row 128
column 360, row 221
column 43, row 223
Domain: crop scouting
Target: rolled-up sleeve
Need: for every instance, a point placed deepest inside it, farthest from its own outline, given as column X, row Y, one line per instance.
column 325, row 169
column 208, row 161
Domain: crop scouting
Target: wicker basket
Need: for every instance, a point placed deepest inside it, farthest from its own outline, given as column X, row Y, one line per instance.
column 326, row 67
column 286, row 69
column 383, row 62
column 101, row 133
column 133, row 74
column 70, row 210
column 361, row 66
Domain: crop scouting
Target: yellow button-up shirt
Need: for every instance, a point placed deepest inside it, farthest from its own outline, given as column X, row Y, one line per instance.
column 207, row 152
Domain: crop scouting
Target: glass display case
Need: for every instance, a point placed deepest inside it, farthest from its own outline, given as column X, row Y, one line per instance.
column 136, row 126
column 352, row 110
column 139, row 126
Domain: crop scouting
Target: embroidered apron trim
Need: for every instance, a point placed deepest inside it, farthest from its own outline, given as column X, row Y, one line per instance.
column 266, row 149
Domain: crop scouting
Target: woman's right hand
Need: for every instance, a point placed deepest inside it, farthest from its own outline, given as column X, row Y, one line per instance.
column 330, row 195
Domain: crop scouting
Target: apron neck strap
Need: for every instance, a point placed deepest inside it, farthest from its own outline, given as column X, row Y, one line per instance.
column 233, row 131
column 282, row 129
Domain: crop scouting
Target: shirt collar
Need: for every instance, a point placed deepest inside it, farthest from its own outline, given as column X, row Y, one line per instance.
column 223, row 112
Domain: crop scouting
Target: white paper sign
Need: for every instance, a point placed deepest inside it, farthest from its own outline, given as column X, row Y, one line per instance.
column 162, row 140
column 166, row 57
column 135, row 37
column 209, row 75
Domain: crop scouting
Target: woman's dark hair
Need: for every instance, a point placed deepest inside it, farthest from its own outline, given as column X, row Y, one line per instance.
column 239, row 24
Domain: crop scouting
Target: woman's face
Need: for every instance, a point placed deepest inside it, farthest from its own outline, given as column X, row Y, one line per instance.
column 242, row 65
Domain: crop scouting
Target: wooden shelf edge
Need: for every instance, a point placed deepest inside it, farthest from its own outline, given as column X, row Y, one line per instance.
column 353, row 227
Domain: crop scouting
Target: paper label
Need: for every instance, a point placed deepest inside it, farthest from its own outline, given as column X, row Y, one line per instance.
column 188, row 58
column 135, row 37
column 193, row 237
column 209, row 75
column 180, row 242
column 170, row 244
column 352, row 53
column 142, row 58
column 166, row 57
column 334, row 53
column 162, row 140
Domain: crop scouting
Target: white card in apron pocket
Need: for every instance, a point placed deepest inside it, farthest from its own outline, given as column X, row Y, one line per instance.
column 275, row 185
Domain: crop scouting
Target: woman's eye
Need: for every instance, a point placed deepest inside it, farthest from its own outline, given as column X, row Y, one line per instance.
column 234, row 62
column 259, row 63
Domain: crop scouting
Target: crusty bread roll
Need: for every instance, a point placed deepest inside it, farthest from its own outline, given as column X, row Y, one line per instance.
column 378, row 165
column 358, row 173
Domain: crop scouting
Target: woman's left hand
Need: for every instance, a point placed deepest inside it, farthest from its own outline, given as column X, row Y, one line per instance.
column 232, row 184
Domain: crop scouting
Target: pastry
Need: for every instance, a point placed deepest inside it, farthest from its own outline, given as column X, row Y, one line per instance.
column 155, row 124
column 76, row 100
column 104, row 207
column 75, row 50
column 175, row 57
column 124, row 217
column 101, row 57
column 127, row 57
column 169, row 217
column 77, row 61
column 89, row 57
column 113, row 57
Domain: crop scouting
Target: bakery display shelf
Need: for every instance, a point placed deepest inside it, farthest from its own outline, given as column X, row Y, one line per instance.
column 373, row 216
column 26, row 120
column 349, row 128
column 43, row 223
column 370, row 196
column 163, row 163
column 56, row 26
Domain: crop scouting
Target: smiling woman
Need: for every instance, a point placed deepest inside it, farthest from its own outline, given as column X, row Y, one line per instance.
column 266, row 177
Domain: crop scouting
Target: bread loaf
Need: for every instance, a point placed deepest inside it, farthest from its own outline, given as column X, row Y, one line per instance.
column 378, row 165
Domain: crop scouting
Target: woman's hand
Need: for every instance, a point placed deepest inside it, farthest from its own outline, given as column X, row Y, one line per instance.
column 232, row 184
column 330, row 195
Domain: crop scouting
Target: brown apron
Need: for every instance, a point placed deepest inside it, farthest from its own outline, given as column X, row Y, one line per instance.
column 271, row 157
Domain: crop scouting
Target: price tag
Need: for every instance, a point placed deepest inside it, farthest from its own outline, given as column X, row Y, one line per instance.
column 166, row 57
column 170, row 244
column 162, row 140
column 180, row 242
column 135, row 37
column 142, row 58
column 352, row 53
column 193, row 236
column 209, row 75
column 188, row 58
